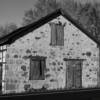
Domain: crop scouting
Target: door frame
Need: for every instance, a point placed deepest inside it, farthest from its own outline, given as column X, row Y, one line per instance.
column 81, row 60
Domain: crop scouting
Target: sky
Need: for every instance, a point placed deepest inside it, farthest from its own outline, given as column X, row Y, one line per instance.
column 13, row 10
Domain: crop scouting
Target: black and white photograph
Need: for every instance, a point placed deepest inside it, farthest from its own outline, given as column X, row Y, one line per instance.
column 50, row 48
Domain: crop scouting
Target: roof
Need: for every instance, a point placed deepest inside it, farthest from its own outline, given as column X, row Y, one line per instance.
column 10, row 38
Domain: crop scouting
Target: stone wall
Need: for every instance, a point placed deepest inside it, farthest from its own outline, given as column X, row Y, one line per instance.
column 37, row 43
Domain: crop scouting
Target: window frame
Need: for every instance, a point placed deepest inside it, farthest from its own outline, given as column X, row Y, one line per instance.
column 81, row 64
column 3, row 49
column 56, row 35
column 39, row 59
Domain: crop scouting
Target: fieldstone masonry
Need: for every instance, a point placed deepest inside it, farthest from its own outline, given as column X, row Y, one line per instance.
column 37, row 43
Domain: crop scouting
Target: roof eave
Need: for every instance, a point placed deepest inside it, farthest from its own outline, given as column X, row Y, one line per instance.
column 10, row 38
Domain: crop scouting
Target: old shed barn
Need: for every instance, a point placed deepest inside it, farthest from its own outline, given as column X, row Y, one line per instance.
column 53, row 53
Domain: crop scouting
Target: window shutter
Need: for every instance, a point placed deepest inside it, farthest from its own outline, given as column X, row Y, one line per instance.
column 69, row 76
column 42, row 68
column 34, row 70
column 77, row 75
column 53, row 34
column 60, row 35
column 37, row 70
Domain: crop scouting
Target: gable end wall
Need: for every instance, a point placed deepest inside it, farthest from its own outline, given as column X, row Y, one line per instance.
column 37, row 43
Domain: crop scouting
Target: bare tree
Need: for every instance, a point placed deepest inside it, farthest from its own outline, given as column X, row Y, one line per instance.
column 41, row 8
column 7, row 29
column 88, row 15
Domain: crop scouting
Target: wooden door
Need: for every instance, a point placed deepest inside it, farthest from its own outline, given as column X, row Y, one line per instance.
column 73, row 74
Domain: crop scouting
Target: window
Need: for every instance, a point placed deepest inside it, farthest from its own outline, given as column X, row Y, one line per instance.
column 37, row 67
column 3, row 50
column 73, row 73
column 57, row 34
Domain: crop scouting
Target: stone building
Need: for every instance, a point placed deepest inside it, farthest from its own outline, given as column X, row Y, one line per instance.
column 53, row 53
